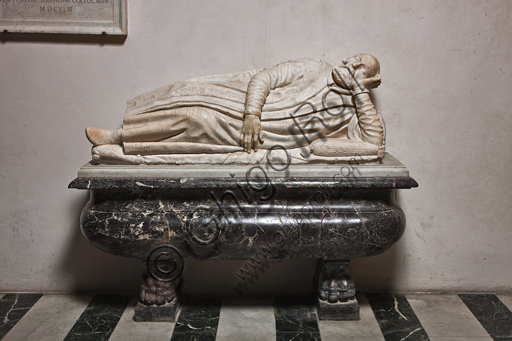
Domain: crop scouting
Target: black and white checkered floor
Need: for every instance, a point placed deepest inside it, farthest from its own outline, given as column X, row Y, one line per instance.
column 472, row 317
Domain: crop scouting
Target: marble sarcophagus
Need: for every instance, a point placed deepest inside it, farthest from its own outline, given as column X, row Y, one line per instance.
column 163, row 214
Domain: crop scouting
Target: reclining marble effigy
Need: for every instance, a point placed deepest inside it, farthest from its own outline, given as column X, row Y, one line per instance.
column 332, row 205
column 315, row 111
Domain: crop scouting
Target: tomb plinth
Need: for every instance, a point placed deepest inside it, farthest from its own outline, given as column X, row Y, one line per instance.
column 163, row 214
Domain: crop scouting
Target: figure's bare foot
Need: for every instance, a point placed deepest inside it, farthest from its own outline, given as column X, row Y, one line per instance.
column 100, row 137
column 156, row 292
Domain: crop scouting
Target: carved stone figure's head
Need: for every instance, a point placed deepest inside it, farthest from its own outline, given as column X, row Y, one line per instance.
column 369, row 68
column 364, row 67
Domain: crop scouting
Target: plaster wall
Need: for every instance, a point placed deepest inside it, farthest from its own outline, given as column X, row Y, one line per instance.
column 445, row 96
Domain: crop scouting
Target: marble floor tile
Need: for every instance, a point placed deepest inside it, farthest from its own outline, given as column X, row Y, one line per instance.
column 422, row 317
column 51, row 318
column 494, row 316
column 193, row 337
column 446, row 315
column 309, row 336
column 198, row 320
column 463, row 338
column 396, row 318
column 295, row 318
column 246, row 319
column 99, row 319
column 366, row 329
column 13, row 308
column 128, row 329
column 507, row 300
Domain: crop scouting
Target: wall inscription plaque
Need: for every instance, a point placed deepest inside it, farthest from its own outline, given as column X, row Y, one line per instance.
column 64, row 16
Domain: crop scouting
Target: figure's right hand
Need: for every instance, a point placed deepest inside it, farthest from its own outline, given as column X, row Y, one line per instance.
column 251, row 133
column 371, row 83
column 349, row 77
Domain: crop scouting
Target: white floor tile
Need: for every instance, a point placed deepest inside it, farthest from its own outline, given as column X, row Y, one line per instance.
column 51, row 318
column 128, row 329
column 446, row 316
column 507, row 300
column 246, row 319
column 365, row 329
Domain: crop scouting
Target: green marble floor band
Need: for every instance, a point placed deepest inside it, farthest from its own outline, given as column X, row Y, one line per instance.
column 99, row 319
column 296, row 319
column 396, row 318
column 12, row 308
column 494, row 316
column 198, row 320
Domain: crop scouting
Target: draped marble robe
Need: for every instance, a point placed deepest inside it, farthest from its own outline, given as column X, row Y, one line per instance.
column 299, row 100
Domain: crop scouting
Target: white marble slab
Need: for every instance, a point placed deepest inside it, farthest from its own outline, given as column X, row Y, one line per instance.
column 507, row 300
column 246, row 319
column 389, row 167
column 443, row 315
column 366, row 329
column 128, row 329
column 64, row 16
column 51, row 318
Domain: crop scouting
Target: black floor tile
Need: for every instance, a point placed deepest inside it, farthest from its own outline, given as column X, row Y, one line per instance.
column 99, row 319
column 194, row 336
column 287, row 336
column 494, row 316
column 12, row 308
column 396, row 318
column 296, row 318
column 198, row 320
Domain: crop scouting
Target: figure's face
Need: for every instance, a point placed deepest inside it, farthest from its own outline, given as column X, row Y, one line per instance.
column 360, row 71
column 368, row 69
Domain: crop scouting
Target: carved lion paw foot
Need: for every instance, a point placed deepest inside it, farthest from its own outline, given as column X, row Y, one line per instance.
column 337, row 290
column 156, row 292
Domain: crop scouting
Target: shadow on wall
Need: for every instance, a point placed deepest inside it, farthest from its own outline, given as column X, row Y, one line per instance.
column 266, row 278
column 376, row 274
column 93, row 270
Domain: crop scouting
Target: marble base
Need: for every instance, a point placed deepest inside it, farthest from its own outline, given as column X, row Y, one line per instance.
column 213, row 218
column 388, row 166
column 164, row 313
column 163, row 215
column 339, row 311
